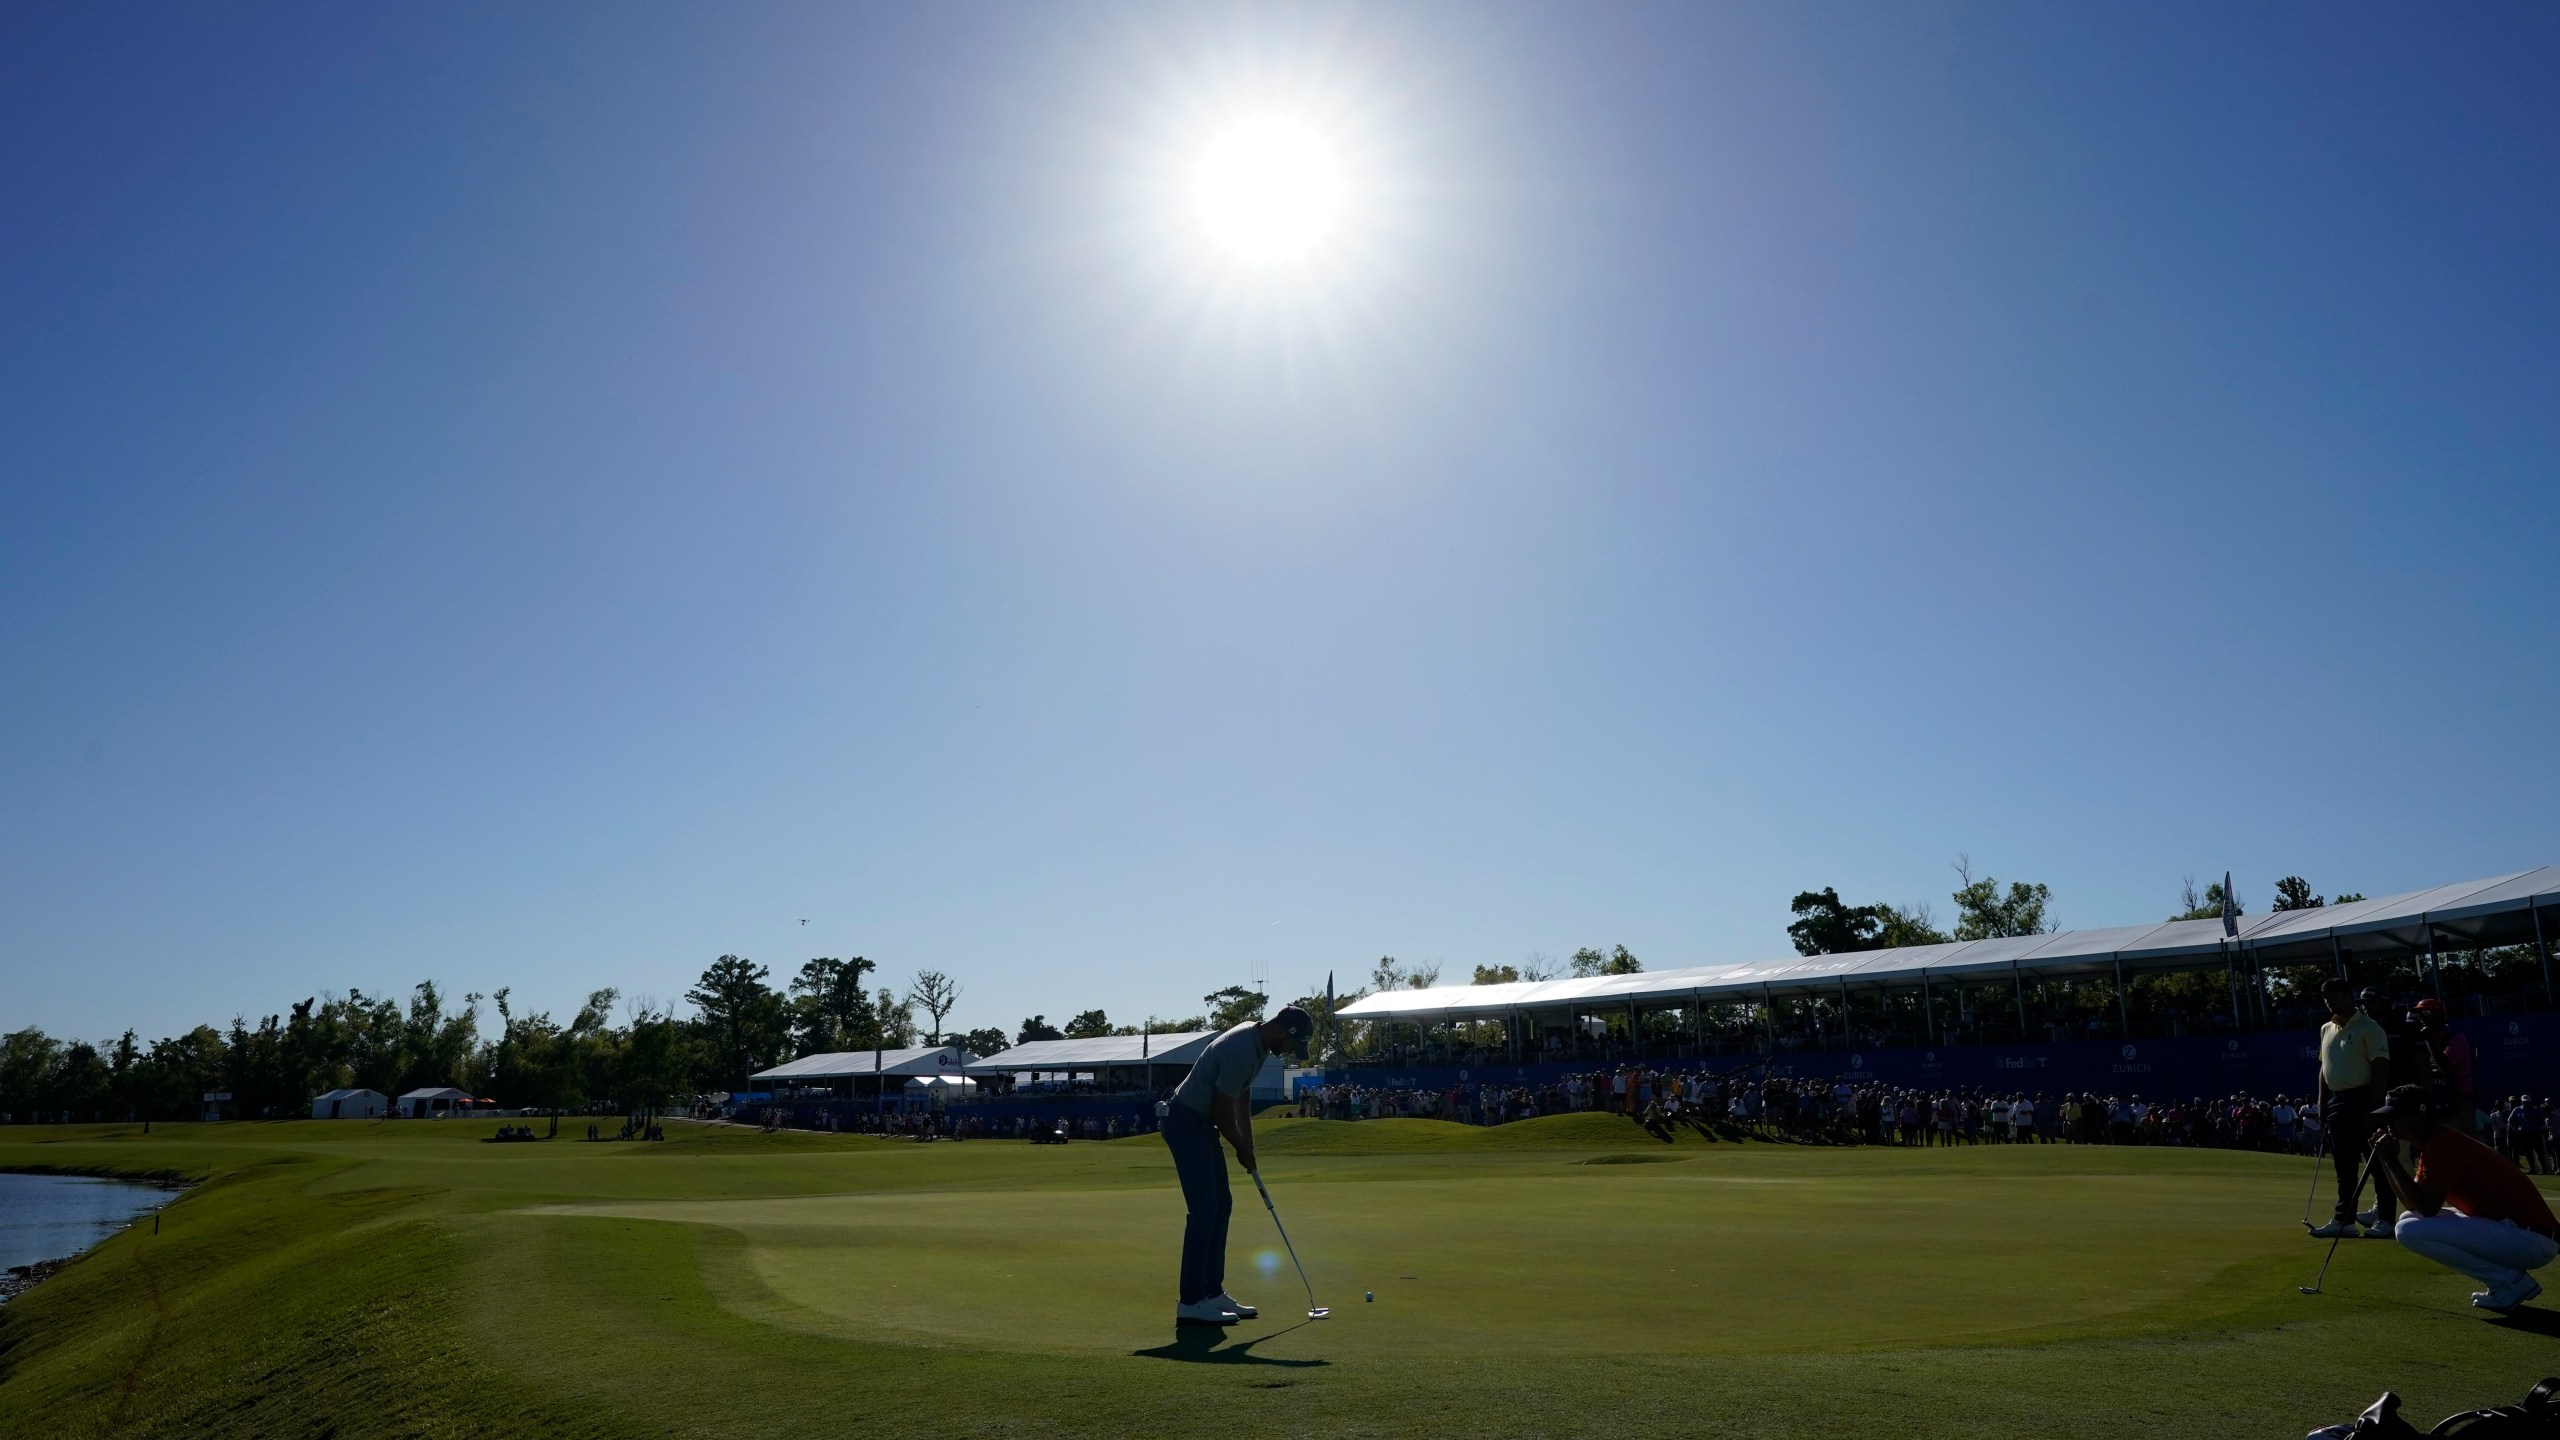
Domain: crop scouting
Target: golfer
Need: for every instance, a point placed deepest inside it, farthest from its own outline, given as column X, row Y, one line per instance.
column 2355, row 1073
column 1215, row 1099
column 2470, row 1208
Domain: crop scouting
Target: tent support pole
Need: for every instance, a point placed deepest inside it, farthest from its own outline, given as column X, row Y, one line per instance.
column 1928, row 1010
column 2435, row 967
column 2338, row 953
column 2124, row 1008
column 2018, row 978
column 1769, row 1009
column 2542, row 949
column 1848, row 1034
column 2231, row 981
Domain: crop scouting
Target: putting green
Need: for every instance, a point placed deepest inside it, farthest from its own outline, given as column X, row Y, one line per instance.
column 1551, row 1264
column 1571, row 1276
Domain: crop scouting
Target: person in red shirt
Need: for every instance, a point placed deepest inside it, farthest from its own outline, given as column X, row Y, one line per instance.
column 2467, row 1207
column 2450, row 1051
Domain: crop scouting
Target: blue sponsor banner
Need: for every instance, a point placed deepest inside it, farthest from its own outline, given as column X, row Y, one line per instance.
column 2513, row 1056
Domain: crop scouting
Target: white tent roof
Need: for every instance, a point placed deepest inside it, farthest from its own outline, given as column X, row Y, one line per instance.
column 348, row 1094
column 1095, row 1052
column 2498, row 910
column 853, row 1064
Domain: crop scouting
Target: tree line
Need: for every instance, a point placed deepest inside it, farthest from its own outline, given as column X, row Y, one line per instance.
column 1827, row 925
column 611, row 1052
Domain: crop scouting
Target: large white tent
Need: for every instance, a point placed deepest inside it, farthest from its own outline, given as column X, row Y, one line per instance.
column 839, row 1066
column 1096, row 1052
column 2521, row 908
column 1109, row 1061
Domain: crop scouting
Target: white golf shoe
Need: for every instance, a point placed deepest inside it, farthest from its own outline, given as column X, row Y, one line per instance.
column 2333, row 1230
column 1243, row 1311
column 2369, row 1216
column 2378, row 1232
column 1205, row 1312
column 2508, row 1297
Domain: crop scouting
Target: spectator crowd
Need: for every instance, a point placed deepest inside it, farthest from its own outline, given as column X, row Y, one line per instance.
column 1747, row 1104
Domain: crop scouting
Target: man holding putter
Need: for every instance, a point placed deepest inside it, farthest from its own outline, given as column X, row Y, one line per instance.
column 2469, row 1207
column 1216, row 1099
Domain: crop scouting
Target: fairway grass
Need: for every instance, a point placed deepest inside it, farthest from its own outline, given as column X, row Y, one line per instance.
column 1565, row 1276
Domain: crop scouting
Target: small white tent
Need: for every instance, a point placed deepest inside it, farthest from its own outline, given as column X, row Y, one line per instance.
column 349, row 1105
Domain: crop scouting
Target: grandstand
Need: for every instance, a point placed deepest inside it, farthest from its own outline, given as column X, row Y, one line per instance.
column 2415, row 929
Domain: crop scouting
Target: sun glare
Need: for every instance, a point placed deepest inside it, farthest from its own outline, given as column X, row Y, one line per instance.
column 1269, row 189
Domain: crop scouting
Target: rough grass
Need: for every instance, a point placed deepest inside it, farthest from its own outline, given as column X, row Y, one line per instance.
column 403, row 1279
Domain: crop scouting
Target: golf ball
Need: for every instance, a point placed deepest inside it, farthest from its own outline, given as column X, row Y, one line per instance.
column 1370, row 1295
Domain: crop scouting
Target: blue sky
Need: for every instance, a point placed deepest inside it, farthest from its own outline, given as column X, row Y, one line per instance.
column 548, row 497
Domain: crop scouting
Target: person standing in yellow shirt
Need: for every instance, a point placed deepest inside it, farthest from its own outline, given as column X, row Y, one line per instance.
column 2355, row 1075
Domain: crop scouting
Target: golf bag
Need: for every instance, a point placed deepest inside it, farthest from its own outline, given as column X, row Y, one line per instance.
column 2538, row 1418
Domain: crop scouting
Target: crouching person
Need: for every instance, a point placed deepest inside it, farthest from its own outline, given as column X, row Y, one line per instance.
column 2467, row 1207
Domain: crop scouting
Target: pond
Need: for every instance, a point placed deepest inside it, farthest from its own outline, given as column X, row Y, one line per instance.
column 47, row 1217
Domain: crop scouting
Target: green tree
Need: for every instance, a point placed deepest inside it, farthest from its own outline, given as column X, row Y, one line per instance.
column 658, row 1058
column 982, row 1042
column 2205, row 904
column 897, row 1019
column 2294, row 893
column 1827, row 925
column 1233, row 1006
column 1984, row 913
column 830, row 1011
column 29, row 1061
column 82, row 1084
column 742, row 1017
column 1618, row 961
column 1038, row 1028
column 1092, row 1024
column 1496, row 974
column 1909, row 925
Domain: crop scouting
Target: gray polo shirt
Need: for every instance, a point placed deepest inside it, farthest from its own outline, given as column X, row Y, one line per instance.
column 1226, row 1068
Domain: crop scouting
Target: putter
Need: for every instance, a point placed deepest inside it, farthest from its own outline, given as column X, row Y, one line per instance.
column 2319, row 1152
column 2361, row 1176
column 1314, row 1310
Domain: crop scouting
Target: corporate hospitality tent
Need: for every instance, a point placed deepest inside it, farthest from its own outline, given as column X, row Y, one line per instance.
column 348, row 1105
column 1110, row 1062
column 430, row 1103
column 2518, row 909
column 863, row 1072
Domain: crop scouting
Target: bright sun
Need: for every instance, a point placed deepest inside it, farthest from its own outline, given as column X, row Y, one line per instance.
column 1269, row 189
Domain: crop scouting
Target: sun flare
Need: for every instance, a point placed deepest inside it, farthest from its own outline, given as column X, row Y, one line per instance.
column 1269, row 189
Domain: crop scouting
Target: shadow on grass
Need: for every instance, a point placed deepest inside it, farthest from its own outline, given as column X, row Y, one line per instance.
column 2531, row 1322
column 1201, row 1345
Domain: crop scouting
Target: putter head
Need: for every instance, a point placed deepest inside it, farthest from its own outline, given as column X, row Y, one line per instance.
column 2308, row 1289
column 1319, row 1312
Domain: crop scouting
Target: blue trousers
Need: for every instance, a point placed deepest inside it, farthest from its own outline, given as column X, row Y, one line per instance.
column 1201, row 1163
